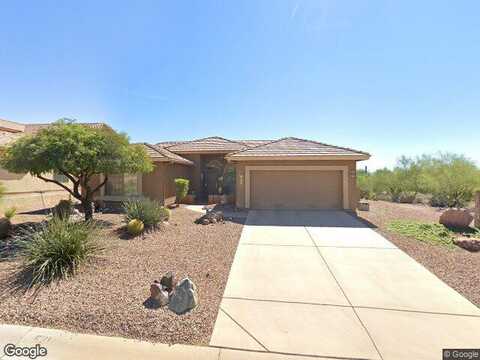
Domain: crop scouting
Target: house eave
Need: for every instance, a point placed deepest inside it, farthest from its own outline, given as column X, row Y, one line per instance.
column 355, row 157
column 170, row 161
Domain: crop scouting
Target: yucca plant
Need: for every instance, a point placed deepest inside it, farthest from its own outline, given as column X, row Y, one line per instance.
column 150, row 212
column 54, row 250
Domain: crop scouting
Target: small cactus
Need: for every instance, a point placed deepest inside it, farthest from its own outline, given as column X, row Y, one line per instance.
column 135, row 227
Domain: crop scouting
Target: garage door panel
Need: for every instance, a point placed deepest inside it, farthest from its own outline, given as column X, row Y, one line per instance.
column 292, row 189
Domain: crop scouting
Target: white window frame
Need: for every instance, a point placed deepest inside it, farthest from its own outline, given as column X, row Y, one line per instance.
column 343, row 169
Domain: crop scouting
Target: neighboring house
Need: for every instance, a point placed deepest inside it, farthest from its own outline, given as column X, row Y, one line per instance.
column 26, row 192
column 288, row 173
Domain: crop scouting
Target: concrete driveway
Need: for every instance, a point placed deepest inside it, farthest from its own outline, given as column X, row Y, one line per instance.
column 322, row 283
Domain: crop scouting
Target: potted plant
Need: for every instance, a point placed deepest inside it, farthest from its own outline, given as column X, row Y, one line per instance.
column 189, row 198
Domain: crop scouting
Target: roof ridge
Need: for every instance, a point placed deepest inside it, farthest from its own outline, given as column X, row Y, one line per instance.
column 161, row 151
column 325, row 144
column 256, row 146
column 179, row 143
column 205, row 138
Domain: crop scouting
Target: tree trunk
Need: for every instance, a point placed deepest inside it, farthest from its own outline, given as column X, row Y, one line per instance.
column 477, row 209
column 87, row 206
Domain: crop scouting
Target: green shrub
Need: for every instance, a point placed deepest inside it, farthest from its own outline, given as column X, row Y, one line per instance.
column 448, row 179
column 10, row 213
column 407, row 197
column 427, row 232
column 365, row 185
column 63, row 209
column 451, row 179
column 54, row 250
column 150, row 212
column 181, row 189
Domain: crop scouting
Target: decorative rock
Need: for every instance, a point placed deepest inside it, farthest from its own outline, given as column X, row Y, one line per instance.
column 469, row 244
column 159, row 294
column 167, row 281
column 184, row 297
column 211, row 217
column 456, row 218
column 364, row 206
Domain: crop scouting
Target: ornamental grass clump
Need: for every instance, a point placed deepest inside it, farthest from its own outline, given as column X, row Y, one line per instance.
column 55, row 250
column 149, row 212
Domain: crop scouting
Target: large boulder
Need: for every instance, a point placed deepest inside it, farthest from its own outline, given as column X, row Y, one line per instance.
column 184, row 297
column 456, row 218
column 469, row 244
column 211, row 217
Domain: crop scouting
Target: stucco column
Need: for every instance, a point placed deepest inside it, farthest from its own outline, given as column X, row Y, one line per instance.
column 477, row 209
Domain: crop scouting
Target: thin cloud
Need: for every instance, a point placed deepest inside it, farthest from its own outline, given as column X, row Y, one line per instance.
column 294, row 10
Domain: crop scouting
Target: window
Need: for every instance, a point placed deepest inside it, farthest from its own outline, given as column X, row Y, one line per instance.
column 122, row 185
column 60, row 177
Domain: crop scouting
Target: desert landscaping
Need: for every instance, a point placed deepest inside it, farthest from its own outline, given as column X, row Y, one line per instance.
column 452, row 264
column 110, row 294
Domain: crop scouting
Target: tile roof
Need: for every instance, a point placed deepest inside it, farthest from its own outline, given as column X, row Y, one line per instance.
column 157, row 153
column 6, row 137
column 295, row 148
column 33, row 128
column 11, row 126
column 252, row 143
column 208, row 144
column 164, row 144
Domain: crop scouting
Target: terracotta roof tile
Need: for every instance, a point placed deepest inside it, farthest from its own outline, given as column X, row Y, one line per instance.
column 209, row 144
column 157, row 153
column 253, row 143
column 6, row 137
column 33, row 128
column 294, row 147
column 164, row 144
column 11, row 126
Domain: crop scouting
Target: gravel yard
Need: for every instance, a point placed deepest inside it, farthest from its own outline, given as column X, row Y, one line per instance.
column 457, row 267
column 107, row 296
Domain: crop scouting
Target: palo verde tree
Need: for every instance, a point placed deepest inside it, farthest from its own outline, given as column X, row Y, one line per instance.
column 79, row 153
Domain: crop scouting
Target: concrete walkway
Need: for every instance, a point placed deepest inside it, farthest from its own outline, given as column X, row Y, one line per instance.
column 322, row 284
column 64, row 345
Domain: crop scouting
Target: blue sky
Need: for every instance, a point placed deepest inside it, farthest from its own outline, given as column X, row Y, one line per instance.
column 388, row 77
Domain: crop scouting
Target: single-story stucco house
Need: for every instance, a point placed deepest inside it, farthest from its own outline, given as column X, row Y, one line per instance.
column 287, row 173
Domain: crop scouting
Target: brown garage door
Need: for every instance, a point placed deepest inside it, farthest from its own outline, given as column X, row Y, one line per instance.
column 288, row 189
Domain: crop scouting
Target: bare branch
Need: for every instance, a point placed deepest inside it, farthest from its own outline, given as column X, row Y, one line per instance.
column 100, row 185
column 60, row 184
column 68, row 175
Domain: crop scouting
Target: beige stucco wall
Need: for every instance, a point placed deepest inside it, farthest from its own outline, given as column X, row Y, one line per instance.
column 29, row 193
column 195, row 172
column 352, row 182
column 159, row 184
